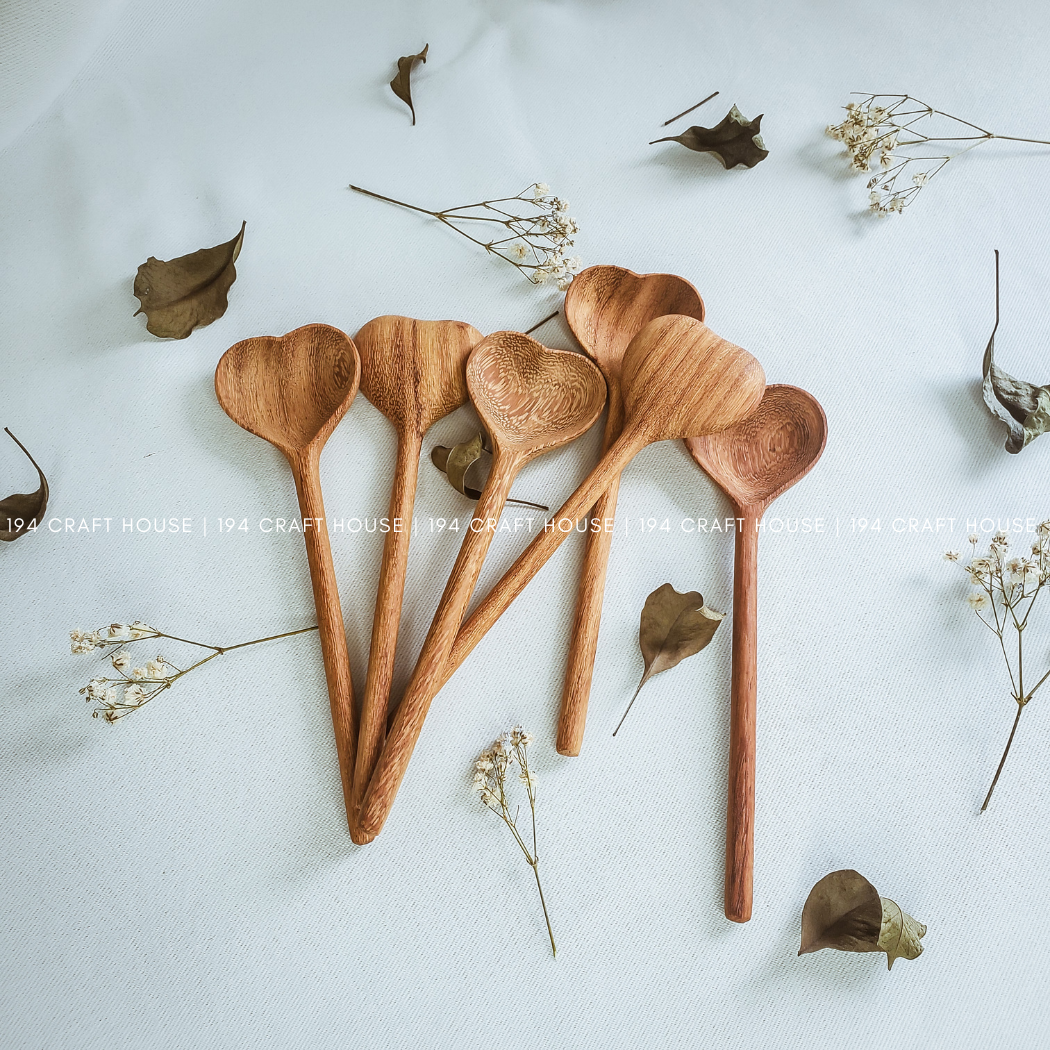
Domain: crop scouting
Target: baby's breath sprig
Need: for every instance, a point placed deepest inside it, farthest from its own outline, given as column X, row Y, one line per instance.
column 1005, row 591
column 888, row 131
column 532, row 230
column 491, row 773
column 136, row 686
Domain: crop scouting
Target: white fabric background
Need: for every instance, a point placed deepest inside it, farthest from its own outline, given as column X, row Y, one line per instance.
column 185, row 878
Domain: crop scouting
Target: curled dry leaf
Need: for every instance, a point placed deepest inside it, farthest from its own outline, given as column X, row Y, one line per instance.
column 845, row 911
column 401, row 85
column 673, row 627
column 23, row 511
column 457, row 461
column 189, row 292
column 734, row 140
column 1023, row 407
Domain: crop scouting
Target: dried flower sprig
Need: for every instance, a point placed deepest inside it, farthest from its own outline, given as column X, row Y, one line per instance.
column 887, row 131
column 1006, row 590
column 136, row 686
column 533, row 230
column 491, row 773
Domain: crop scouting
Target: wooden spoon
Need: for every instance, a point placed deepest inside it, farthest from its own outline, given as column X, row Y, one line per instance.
column 753, row 463
column 414, row 372
column 531, row 400
column 606, row 306
column 678, row 378
column 292, row 391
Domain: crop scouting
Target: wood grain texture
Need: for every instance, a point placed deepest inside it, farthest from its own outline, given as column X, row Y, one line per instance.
column 711, row 383
column 531, row 399
column 753, row 463
column 414, row 372
column 292, row 391
column 606, row 306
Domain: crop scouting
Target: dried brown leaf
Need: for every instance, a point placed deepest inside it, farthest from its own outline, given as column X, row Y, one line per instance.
column 457, row 462
column 23, row 511
column 673, row 627
column 189, row 292
column 401, row 85
column 734, row 140
column 845, row 911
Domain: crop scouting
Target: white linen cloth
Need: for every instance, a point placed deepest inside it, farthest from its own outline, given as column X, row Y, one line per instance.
column 185, row 878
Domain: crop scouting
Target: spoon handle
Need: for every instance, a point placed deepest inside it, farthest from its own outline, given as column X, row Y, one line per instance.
column 387, row 620
column 740, row 814
column 329, row 613
column 427, row 678
column 540, row 550
column 583, row 640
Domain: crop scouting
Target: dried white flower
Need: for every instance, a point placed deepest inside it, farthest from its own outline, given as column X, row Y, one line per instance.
column 951, row 555
column 121, row 659
column 978, row 601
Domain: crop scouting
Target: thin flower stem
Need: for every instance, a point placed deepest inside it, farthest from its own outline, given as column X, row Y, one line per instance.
column 391, row 200
column 1028, row 696
column 540, row 324
column 543, row 904
column 1002, row 761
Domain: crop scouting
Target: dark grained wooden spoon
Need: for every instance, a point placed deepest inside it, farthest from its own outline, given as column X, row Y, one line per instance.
column 753, row 463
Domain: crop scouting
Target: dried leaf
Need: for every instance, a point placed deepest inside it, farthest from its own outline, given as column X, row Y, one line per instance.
column 901, row 935
column 673, row 627
column 185, row 293
column 845, row 911
column 734, row 140
column 28, row 508
column 457, row 461
column 1023, row 407
column 401, row 85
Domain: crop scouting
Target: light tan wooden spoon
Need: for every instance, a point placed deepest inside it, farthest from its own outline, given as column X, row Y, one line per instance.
column 292, row 391
column 531, row 400
column 753, row 463
column 678, row 378
column 606, row 307
column 414, row 372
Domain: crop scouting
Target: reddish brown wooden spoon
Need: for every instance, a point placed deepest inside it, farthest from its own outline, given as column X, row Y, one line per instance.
column 753, row 463
column 606, row 307
column 414, row 372
column 292, row 391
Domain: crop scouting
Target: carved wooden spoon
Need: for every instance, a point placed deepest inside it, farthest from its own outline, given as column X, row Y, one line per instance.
column 753, row 463
column 414, row 372
column 531, row 400
column 292, row 391
column 606, row 306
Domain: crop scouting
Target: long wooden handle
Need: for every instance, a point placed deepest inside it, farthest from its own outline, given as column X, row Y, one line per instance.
column 386, row 622
column 537, row 554
column 329, row 615
column 740, row 815
column 583, row 641
column 427, row 676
